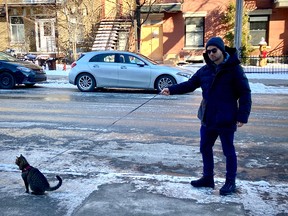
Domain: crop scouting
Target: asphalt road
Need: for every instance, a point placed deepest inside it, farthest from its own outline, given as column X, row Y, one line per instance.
column 123, row 152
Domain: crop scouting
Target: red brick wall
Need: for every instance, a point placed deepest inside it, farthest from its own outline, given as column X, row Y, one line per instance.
column 278, row 34
column 264, row 4
column 174, row 26
column 173, row 33
column 278, row 26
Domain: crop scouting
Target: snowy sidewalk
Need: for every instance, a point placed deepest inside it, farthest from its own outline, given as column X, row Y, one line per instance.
column 260, row 83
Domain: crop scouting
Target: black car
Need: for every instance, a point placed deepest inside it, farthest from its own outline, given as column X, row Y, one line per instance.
column 14, row 72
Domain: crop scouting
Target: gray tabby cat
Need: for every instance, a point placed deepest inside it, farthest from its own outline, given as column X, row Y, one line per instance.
column 34, row 178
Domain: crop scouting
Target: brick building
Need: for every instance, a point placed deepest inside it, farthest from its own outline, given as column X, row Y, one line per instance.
column 180, row 29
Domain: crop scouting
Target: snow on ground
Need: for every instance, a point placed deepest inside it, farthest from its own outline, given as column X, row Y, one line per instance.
column 263, row 89
column 250, row 195
column 259, row 198
column 256, row 87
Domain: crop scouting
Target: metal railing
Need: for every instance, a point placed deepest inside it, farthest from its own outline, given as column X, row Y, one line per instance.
column 272, row 64
column 27, row 2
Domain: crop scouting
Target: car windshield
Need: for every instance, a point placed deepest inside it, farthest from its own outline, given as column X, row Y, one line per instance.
column 148, row 59
column 6, row 57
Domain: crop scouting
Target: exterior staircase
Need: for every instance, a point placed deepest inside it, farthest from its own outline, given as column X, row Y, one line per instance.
column 112, row 35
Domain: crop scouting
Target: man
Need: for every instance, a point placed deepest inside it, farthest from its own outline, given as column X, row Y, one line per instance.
column 226, row 105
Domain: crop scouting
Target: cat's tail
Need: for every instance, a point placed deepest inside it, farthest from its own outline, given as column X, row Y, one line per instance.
column 57, row 186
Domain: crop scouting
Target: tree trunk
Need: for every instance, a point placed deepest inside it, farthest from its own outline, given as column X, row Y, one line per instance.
column 138, row 25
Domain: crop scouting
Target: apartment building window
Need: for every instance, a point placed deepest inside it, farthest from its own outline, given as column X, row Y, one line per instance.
column 258, row 28
column 17, row 29
column 194, row 32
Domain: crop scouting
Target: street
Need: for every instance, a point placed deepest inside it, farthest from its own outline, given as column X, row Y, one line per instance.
column 133, row 152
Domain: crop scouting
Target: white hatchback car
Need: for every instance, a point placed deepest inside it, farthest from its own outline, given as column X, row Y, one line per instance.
column 121, row 69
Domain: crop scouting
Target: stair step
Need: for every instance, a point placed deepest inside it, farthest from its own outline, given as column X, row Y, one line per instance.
column 105, row 43
column 108, row 32
column 106, row 35
column 101, row 44
column 114, row 21
column 102, row 48
column 115, row 29
column 106, row 39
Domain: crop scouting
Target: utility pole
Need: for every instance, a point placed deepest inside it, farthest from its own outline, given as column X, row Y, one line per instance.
column 238, row 26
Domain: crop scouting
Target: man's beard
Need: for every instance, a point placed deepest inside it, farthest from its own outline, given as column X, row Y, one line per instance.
column 216, row 59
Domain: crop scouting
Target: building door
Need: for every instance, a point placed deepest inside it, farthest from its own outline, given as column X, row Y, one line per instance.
column 45, row 35
column 152, row 41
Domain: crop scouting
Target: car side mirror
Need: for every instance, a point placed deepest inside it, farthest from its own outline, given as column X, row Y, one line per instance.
column 141, row 64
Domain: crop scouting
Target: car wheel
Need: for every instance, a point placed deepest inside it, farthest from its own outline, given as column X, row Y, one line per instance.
column 164, row 81
column 86, row 82
column 7, row 81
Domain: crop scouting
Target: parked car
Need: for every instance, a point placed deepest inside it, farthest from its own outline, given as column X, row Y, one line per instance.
column 14, row 71
column 121, row 69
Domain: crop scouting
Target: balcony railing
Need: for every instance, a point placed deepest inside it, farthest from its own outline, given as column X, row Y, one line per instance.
column 27, row 2
column 281, row 3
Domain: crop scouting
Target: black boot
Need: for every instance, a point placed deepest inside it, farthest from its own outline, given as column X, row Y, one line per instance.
column 228, row 188
column 204, row 181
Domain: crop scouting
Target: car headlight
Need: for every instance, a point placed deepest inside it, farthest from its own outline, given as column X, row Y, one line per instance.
column 24, row 70
column 187, row 75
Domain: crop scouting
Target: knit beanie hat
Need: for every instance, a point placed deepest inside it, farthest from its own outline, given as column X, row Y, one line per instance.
column 216, row 41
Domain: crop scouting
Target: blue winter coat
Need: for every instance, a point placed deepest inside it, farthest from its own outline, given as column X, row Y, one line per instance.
column 225, row 91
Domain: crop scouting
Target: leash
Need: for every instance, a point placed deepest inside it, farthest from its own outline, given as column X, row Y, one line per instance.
column 119, row 119
column 133, row 110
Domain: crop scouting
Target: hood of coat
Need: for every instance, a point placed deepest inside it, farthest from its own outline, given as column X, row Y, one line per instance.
column 232, row 60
